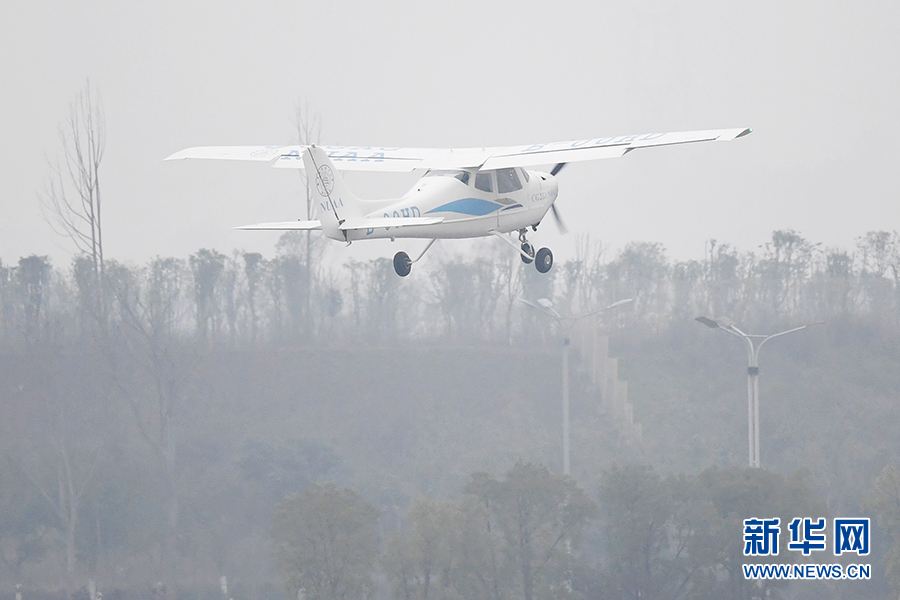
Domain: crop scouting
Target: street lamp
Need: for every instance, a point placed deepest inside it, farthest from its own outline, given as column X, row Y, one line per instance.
column 752, row 374
column 546, row 306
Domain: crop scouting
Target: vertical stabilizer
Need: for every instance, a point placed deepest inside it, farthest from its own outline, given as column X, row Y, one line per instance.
column 334, row 201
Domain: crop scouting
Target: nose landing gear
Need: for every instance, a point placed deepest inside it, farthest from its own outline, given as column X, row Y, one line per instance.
column 542, row 260
column 527, row 253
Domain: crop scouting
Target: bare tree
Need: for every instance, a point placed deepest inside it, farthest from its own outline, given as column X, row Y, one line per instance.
column 71, row 201
column 307, row 129
column 62, row 452
column 151, row 364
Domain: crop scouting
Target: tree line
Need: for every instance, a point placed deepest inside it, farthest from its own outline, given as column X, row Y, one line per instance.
column 532, row 534
column 245, row 298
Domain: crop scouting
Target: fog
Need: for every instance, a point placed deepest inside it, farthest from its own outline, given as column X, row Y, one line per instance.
column 202, row 413
column 812, row 79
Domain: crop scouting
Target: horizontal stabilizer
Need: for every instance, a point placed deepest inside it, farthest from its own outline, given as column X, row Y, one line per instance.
column 284, row 226
column 388, row 222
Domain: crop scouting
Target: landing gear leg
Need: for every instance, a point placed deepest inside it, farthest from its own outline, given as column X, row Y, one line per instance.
column 543, row 260
column 527, row 253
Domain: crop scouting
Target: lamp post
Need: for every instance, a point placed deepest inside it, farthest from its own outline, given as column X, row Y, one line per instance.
column 753, row 349
column 546, row 306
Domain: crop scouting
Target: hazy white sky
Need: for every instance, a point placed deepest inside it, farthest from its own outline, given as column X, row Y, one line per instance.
column 817, row 80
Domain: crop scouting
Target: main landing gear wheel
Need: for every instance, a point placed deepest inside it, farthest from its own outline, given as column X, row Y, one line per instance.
column 544, row 260
column 529, row 250
column 402, row 264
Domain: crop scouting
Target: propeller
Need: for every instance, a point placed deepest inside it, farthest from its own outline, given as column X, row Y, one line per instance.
column 559, row 222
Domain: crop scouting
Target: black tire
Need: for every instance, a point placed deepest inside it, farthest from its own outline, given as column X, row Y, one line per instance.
column 402, row 264
column 544, row 260
column 529, row 250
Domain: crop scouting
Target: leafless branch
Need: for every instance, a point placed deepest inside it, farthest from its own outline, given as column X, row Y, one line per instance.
column 71, row 201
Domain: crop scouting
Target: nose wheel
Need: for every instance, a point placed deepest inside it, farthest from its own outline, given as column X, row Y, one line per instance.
column 542, row 259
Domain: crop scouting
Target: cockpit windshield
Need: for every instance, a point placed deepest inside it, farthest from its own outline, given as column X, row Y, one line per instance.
column 508, row 181
column 461, row 175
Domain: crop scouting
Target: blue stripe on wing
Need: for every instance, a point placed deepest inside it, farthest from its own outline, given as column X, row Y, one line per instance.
column 468, row 206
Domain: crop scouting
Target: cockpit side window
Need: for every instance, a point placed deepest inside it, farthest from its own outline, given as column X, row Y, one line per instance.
column 508, row 181
column 525, row 174
column 483, row 181
column 461, row 175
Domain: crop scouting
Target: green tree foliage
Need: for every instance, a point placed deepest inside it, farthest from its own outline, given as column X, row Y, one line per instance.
column 503, row 538
column 681, row 537
column 541, row 517
column 422, row 562
column 325, row 543
column 448, row 551
column 639, row 511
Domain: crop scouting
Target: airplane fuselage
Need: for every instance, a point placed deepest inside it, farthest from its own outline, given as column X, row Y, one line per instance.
column 472, row 203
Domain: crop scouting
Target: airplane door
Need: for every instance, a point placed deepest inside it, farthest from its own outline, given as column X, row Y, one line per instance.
column 512, row 195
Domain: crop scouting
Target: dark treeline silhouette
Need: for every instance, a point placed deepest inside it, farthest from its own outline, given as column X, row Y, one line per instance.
column 246, row 298
column 155, row 416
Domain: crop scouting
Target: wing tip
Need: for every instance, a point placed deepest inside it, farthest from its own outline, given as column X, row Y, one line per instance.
column 176, row 156
column 728, row 135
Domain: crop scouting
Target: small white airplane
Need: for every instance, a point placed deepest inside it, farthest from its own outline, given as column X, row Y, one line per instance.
column 464, row 193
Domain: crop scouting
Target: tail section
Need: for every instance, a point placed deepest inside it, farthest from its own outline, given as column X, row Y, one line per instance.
column 334, row 201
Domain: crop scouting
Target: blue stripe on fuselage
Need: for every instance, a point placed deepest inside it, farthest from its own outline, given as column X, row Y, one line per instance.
column 467, row 206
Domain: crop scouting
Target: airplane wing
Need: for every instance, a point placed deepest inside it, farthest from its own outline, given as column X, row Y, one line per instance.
column 283, row 226
column 366, row 158
column 347, row 158
column 611, row 147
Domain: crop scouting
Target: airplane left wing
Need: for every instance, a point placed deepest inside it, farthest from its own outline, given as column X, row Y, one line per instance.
column 367, row 158
column 346, row 158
